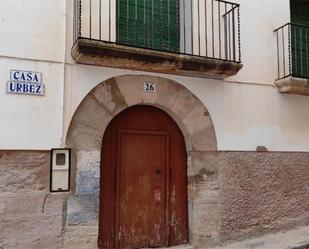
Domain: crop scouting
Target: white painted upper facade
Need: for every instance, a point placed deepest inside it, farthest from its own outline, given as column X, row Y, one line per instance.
column 246, row 109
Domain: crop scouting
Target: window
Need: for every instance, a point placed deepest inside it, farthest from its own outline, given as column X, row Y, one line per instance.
column 300, row 38
column 149, row 24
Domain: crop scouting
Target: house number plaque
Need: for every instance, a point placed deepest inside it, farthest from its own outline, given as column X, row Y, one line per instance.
column 149, row 87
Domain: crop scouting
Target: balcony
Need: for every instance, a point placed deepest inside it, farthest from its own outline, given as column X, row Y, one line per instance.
column 293, row 59
column 182, row 37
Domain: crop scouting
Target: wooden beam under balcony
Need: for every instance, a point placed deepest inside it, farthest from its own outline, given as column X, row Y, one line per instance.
column 100, row 53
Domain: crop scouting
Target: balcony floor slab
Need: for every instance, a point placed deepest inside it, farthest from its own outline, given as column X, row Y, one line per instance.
column 293, row 85
column 100, row 53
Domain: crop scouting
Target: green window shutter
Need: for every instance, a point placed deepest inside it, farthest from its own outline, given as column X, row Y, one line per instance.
column 149, row 23
column 125, row 21
column 300, row 12
column 300, row 38
column 170, row 25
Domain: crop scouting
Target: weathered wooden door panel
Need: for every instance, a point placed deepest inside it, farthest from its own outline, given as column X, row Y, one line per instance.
column 143, row 199
column 108, row 192
column 142, row 194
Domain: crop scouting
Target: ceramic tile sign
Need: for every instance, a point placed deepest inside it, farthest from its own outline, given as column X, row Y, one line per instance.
column 25, row 82
column 149, row 87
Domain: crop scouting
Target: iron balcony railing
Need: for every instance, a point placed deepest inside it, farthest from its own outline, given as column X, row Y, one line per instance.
column 203, row 28
column 292, row 51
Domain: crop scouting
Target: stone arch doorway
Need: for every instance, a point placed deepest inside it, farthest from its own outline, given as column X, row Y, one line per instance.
column 84, row 136
column 143, row 197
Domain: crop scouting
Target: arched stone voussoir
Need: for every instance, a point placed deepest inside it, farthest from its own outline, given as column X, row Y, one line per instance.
column 184, row 103
column 109, row 96
column 87, row 126
column 183, row 106
column 83, row 138
column 201, row 129
column 112, row 96
column 130, row 88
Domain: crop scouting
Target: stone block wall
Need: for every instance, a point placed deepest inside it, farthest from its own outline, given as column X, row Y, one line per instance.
column 85, row 134
column 30, row 217
column 230, row 194
column 258, row 192
column 203, row 198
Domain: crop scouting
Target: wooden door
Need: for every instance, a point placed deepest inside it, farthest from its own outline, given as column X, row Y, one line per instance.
column 143, row 201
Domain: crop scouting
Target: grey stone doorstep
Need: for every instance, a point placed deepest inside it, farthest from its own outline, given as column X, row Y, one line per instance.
column 293, row 239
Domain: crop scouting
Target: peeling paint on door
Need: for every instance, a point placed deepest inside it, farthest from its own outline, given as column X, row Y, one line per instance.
column 144, row 158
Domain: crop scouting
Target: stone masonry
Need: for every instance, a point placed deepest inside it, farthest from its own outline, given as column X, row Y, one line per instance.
column 231, row 195
column 91, row 118
column 259, row 192
column 30, row 217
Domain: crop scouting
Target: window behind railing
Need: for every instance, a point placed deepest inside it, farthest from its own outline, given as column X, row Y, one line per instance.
column 300, row 50
column 293, row 42
column 148, row 24
column 204, row 28
column 300, row 37
column 292, row 51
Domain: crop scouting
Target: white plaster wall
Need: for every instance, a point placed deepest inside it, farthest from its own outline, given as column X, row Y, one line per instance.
column 32, row 38
column 32, row 29
column 244, row 115
column 31, row 122
column 247, row 111
column 259, row 18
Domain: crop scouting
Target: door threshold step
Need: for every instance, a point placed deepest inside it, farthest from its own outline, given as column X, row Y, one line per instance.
column 174, row 247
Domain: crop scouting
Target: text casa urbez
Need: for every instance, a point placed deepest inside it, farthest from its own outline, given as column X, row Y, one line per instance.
column 25, row 82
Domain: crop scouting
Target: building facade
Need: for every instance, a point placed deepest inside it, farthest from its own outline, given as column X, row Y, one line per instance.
column 185, row 120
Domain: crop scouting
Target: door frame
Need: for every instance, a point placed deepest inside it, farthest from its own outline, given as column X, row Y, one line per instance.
column 84, row 135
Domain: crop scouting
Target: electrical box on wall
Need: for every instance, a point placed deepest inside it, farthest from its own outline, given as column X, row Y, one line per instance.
column 60, row 170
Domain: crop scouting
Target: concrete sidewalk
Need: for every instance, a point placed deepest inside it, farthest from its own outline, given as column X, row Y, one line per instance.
column 292, row 239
